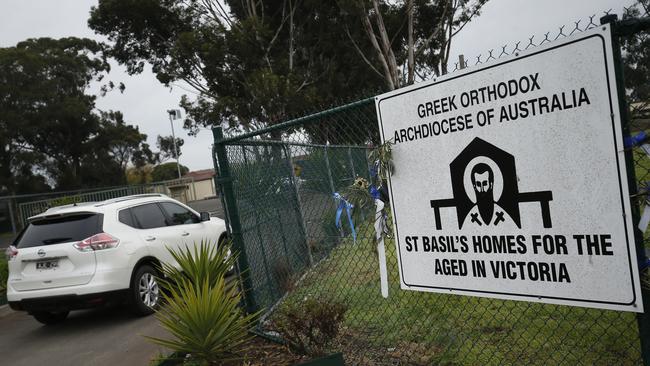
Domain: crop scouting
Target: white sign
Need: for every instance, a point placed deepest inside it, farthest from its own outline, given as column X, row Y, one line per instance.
column 510, row 179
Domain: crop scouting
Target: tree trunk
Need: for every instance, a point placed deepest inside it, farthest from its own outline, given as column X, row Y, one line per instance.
column 411, row 51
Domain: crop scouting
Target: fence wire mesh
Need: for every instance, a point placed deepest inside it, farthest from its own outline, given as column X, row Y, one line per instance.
column 284, row 179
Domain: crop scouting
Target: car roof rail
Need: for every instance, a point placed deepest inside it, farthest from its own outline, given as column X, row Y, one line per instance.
column 127, row 198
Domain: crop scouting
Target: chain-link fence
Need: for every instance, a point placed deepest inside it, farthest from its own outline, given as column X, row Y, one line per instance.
column 278, row 187
column 15, row 210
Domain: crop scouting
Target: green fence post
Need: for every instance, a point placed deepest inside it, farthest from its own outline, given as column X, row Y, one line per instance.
column 298, row 204
column 354, row 173
column 643, row 319
column 329, row 170
column 230, row 205
column 11, row 216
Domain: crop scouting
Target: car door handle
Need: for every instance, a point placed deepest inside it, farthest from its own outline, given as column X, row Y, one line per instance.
column 185, row 233
column 150, row 238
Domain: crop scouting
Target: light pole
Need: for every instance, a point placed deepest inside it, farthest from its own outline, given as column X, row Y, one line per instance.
column 175, row 114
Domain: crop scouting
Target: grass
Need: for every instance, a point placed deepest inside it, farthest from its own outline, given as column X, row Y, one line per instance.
column 428, row 328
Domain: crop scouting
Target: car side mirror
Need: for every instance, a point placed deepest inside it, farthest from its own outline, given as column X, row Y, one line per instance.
column 205, row 216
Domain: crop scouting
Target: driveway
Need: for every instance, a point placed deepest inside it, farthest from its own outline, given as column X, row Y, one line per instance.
column 110, row 336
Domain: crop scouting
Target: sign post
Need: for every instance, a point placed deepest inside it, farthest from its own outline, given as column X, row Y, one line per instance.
column 511, row 179
column 643, row 319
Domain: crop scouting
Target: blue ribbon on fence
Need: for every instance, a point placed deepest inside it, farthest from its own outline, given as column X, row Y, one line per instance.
column 374, row 169
column 374, row 192
column 631, row 141
column 342, row 203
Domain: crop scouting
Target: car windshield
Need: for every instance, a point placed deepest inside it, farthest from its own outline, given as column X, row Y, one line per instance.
column 59, row 230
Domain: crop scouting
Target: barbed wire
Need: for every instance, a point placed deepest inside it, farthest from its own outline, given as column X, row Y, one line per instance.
column 563, row 31
column 578, row 26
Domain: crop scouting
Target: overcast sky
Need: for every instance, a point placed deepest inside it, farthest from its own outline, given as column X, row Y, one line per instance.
column 145, row 100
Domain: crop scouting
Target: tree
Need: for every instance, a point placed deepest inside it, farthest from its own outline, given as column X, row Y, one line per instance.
column 119, row 140
column 167, row 148
column 167, row 171
column 51, row 134
column 409, row 38
column 143, row 161
column 253, row 65
column 139, row 175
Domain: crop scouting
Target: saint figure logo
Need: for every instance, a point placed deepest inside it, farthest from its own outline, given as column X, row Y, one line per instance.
column 486, row 194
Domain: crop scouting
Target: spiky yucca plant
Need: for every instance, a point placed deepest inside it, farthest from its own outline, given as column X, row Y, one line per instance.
column 201, row 309
column 198, row 263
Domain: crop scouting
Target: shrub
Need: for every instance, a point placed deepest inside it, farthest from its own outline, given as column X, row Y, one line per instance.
column 283, row 274
column 66, row 200
column 203, row 261
column 309, row 326
column 202, row 310
column 4, row 276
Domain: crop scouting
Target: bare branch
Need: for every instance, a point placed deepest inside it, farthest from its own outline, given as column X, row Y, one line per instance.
column 476, row 10
column 433, row 34
column 385, row 43
column 411, row 56
column 373, row 40
column 277, row 31
column 363, row 56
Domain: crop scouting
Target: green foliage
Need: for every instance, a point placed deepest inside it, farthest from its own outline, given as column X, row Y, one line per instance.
column 309, row 326
column 358, row 194
column 167, row 149
column 254, row 64
column 167, row 171
column 52, row 134
column 199, row 263
column 382, row 158
column 139, row 175
column 121, row 141
column 67, row 200
column 201, row 309
column 421, row 328
column 4, row 276
column 636, row 68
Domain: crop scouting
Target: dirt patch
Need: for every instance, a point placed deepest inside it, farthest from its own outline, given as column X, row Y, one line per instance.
column 259, row 352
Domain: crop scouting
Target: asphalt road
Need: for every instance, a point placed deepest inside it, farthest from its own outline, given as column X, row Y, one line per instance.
column 107, row 336
column 110, row 336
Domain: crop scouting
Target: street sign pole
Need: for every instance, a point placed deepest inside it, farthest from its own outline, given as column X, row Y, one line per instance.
column 643, row 319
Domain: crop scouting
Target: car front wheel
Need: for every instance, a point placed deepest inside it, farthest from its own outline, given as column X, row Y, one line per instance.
column 49, row 317
column 145, row 291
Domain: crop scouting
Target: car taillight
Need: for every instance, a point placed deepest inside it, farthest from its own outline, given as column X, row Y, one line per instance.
column 97, row 242
column 11, row 252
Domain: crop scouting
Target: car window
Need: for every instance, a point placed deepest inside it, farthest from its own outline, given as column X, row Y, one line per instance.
column 179, row 215
column 66, row 229
column 149, row 216
column 126, row 218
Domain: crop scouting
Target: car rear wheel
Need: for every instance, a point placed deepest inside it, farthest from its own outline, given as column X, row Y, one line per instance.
column 145, row 291
column 49, row 317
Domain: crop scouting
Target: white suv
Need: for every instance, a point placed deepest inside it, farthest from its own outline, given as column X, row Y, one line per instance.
column 90, row 254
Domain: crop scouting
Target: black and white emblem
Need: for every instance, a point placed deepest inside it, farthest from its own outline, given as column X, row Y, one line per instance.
column 486, row 194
